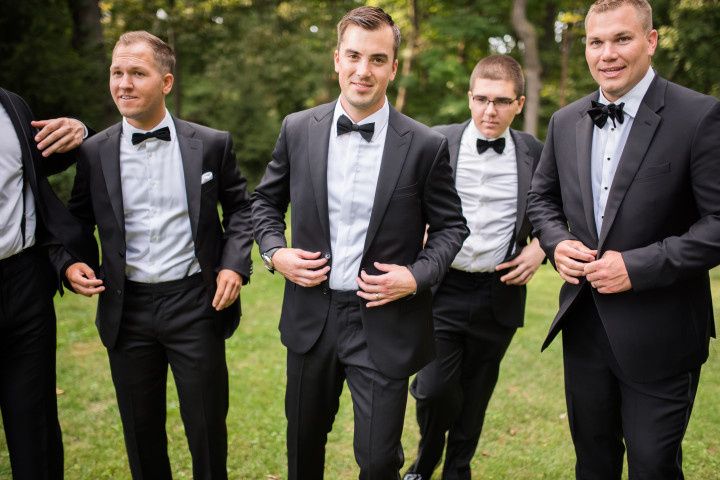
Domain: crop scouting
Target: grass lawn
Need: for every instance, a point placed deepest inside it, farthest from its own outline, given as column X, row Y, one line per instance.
column 525, row 435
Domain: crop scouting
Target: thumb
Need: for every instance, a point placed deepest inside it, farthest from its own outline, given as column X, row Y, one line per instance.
column 87, row 271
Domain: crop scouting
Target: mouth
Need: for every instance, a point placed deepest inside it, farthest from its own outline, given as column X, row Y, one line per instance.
column 361, row 86
column 126, row 98
column 612, row 72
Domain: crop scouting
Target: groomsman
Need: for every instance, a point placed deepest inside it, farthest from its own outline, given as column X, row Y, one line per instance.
column 626, row 203
column 32, row 222
column 363, row 181
column 171, row 269
column 481, row 301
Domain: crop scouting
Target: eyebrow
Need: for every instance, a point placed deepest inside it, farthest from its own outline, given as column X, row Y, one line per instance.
column 350, row 51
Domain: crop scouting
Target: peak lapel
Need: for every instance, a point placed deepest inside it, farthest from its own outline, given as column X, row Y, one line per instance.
column 110, row 161
column 638, row 141
column 454, row 139
column 397, row 143
column 191, row 151
column 583, row 142
column 318, row 139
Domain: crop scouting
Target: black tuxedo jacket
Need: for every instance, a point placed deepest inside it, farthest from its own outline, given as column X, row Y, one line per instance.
column 414, row 188
column 54, row 226
column 662, row 214
column 97, row 200
column 508, row 301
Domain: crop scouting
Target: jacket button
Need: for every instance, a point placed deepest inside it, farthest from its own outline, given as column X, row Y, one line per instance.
column 119, row 292
column 121, row 254
column 325, row 290
column 327, row 255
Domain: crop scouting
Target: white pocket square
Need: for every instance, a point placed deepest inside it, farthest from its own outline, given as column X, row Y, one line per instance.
column 206, row 177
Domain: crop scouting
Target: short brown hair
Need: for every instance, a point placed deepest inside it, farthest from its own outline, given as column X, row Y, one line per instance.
column 642, row 7
column 164, row 54
column 368, row 18
column 500, row 67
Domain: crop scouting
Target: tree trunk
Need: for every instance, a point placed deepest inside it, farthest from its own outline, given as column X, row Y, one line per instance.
column 409, row 54
column 531, row 59
column 87, row 39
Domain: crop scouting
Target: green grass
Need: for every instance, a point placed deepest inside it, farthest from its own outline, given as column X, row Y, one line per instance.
column 525, row 435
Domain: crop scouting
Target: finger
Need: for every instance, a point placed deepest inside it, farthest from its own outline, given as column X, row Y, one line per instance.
column 372, row 279
column 87, row 282
column 46, row 128
column 385, row 267
column 512, row 274
column 311, row 264
column 218, row 293
column 225, row 298
column 308, row 255
column 506, row 265
column 57, row 147
column 368, row 287
column 312, row 275
column 568, row 278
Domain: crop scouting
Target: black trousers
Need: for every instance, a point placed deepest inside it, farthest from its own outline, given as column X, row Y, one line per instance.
column 314, row 383
column 608, row 412
column 27, row 366
column 454, row 390
column 171, row 323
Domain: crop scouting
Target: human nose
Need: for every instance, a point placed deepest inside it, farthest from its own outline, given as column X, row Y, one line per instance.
column 124, row 82
column 490, row 108
column 362, row 69
column 608, row 51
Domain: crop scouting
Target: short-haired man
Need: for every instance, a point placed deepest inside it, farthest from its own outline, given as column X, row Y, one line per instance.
column 363, row 180
column 626, row 202
column 171, row 270
column 481, row 301
column 32, row 220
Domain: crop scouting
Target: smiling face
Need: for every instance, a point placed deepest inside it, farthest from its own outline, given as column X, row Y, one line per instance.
column 493, row 118
column 618, row 50
column 138, row 86
column 365, row 65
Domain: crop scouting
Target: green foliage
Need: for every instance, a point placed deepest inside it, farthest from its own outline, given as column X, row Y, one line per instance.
column 245, row 64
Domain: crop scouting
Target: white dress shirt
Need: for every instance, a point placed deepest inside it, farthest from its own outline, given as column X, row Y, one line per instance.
column 608, row 144
column 352, row 175
column 487, row 184
column 158, row 236
column 12, row 192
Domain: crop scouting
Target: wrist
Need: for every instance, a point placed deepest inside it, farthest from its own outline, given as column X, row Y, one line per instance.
column 267, row 258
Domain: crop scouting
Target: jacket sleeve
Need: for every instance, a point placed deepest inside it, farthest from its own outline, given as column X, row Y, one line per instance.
column 271, row 197
column 544, row 206
column 446, row 227
column 236, row 221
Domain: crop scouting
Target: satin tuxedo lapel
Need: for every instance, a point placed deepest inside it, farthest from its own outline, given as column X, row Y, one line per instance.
column 318, row 140
column 454, row 138
column 110, row 161
column 23, row 131
column 641, row 134
column 191, row 151
column 524, row 176
column 397, row 143
column 583, row 142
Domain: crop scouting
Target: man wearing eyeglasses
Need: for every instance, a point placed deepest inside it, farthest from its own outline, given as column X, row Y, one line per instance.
column 481, row 301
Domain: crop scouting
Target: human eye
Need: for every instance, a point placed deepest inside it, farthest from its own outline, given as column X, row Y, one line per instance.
column 481, row 99
column 504, row 101
column 624, row 39
column 378, row 60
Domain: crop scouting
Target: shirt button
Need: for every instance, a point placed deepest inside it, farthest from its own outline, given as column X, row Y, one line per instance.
column 608, row 158
column 606, row 188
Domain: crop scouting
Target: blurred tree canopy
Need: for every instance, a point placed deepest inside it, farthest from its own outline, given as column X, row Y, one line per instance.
column 245, row 64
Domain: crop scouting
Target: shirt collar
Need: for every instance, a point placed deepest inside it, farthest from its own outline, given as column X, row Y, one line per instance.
column 380, row 118
column 633, row 98
column 128, row 130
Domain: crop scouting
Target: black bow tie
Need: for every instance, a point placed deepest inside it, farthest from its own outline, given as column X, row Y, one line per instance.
column 498, row 145
column 345, row 125
column 160, row 134
column 600, row 113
